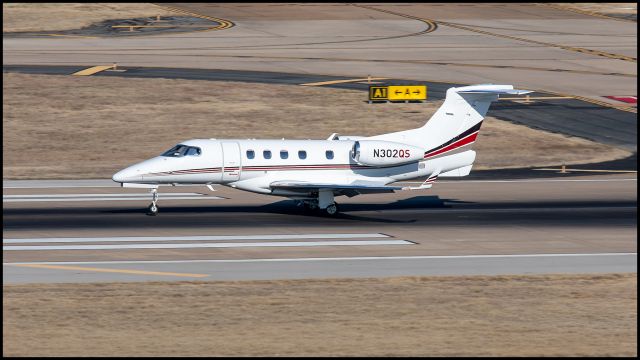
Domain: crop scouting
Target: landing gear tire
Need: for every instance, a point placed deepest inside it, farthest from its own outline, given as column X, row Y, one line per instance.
column 153, row 210
column 332, row 209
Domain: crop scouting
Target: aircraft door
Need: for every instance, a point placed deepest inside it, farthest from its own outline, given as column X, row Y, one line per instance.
column 231, row 161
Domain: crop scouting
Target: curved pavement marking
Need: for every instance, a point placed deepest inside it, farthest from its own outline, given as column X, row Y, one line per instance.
column 473, row 29
column 431, row 26
column 223, row 24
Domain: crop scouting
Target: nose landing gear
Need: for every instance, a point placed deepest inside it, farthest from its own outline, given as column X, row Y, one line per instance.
column 153, row 208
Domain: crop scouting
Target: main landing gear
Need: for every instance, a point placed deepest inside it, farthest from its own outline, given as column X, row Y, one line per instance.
column 324, row 203
column 332, row 209
column 153, row 208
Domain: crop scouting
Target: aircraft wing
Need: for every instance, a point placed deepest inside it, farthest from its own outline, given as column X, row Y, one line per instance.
column 352, row 189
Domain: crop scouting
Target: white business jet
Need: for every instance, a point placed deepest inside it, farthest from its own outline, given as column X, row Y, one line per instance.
column 315, row 171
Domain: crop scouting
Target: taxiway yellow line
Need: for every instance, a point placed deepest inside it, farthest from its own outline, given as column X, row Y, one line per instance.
column 564, row 47
column 69, row 36
column 342, row 81
column 590, row 100
column 93, row 70
column 584, row 12
column 123, row 271
column 606, row 104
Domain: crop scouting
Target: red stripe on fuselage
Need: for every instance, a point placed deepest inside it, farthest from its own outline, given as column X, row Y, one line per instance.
column 272, row 168
column 464, row 141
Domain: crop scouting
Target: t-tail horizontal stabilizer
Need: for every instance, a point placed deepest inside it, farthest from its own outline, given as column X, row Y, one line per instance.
column 477, row 89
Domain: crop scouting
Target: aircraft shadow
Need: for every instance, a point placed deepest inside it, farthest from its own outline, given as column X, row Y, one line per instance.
column 288, row 207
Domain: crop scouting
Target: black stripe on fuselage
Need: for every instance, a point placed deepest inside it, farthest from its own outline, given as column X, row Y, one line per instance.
column 469, row 131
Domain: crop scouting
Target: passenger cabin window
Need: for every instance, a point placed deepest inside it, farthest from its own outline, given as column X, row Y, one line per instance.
column 302, row 154
column 182, row 150
column 329, row 154
column 266, row 154
column 251, row 154
column 284, row 154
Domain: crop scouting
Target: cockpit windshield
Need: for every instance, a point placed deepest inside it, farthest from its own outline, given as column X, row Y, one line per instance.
column 182, row 150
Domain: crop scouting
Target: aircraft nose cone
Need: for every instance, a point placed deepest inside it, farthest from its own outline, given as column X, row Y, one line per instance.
column 127, row 175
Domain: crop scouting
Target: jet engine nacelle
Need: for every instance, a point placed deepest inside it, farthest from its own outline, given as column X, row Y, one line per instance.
column 380, row 153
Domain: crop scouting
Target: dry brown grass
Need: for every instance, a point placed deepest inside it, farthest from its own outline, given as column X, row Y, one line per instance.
column 563, row 315
column 90, row 127
column 66, row 16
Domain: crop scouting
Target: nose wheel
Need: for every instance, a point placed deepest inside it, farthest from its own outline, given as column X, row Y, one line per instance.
column 153, row 208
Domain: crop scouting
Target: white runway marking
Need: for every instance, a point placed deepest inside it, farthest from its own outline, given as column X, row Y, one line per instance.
column 194, row 238
column 114, row 199
column 94, row 195
column 516, row 181
column 208, row 245
column 104, row 197
column 434, row 257
column 50, row 184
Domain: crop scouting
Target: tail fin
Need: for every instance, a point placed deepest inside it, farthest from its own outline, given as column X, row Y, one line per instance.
column 454, row 127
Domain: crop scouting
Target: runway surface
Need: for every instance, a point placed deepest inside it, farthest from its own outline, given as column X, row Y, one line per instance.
column 578, row 224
